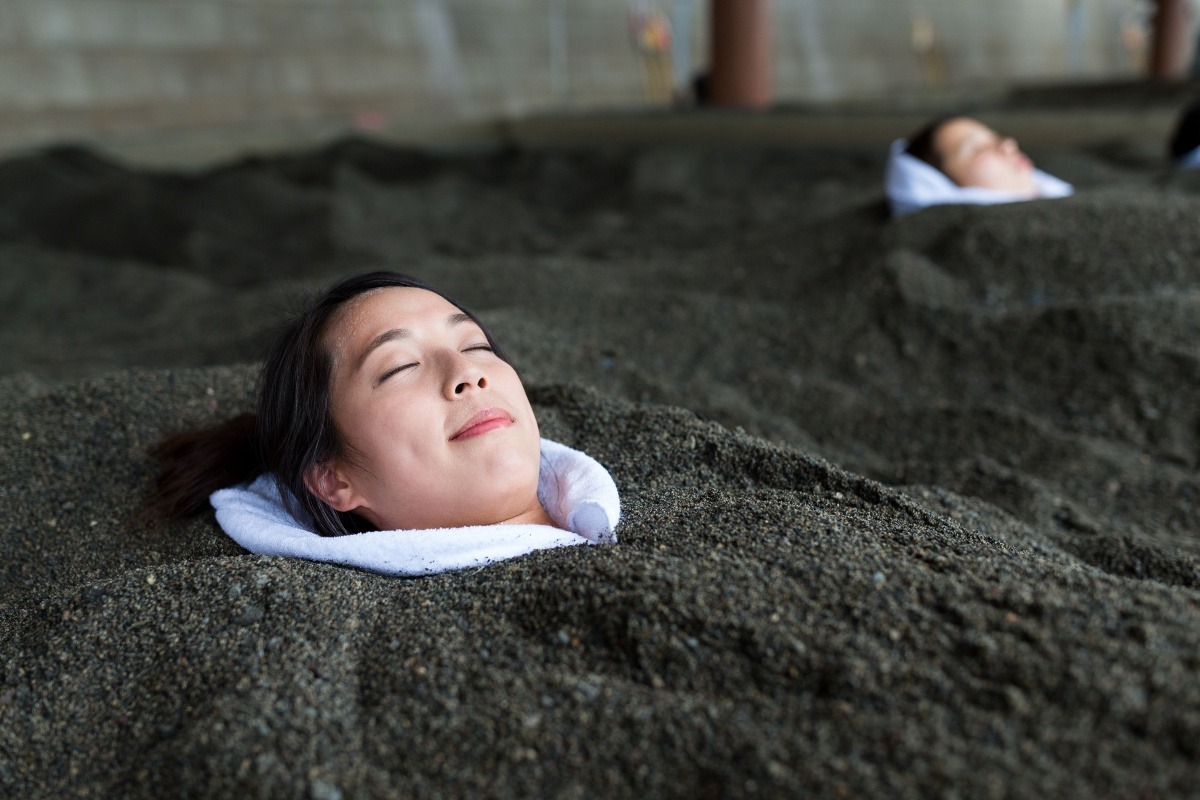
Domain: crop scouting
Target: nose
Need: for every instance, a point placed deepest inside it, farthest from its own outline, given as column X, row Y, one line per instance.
column 463, row 377
column 1009, row 145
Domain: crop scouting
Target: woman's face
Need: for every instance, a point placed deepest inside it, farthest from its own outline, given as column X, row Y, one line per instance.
column 972, row 154
column 438, row 429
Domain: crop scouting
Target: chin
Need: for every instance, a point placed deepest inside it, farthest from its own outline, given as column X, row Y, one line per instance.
column 1025, row 182
column 1029, row 188
column 1017, row 185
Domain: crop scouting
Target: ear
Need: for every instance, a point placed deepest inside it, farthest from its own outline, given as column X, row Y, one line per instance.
column 328, row 483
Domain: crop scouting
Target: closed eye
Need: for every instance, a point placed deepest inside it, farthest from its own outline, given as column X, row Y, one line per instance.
column 486, row 347
column 393, row 371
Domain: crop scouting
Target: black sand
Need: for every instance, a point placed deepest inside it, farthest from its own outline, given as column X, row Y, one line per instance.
column 1004, row 605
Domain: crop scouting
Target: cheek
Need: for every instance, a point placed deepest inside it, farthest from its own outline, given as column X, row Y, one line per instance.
column 992, row 166
column 408, row 428
column 402, row 471
column 961, row 172
column 390, row 428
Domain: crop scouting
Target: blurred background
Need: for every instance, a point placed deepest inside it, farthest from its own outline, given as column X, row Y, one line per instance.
column 203, row 76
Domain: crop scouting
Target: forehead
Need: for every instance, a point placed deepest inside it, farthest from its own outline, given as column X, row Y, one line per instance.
column 958, row 131
column 378, row 310
column 393, row 306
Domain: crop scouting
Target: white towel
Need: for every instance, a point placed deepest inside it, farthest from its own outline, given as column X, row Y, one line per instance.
column 576, row 491
column 911, row 185
column 1189, row 160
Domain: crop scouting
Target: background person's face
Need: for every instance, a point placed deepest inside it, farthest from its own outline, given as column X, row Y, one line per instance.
column 972, row 154
column 440, row 431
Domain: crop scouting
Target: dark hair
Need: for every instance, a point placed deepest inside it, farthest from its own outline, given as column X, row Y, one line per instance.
column 921, row 143
column 293, row 428
column 1187, row 133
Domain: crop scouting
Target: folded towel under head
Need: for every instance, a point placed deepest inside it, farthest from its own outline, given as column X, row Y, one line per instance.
column 576, row 491
column 911, row 184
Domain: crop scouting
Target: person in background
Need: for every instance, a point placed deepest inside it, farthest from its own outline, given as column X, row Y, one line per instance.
column 957, row 159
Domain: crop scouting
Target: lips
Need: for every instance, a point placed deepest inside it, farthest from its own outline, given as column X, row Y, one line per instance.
column 486, row 421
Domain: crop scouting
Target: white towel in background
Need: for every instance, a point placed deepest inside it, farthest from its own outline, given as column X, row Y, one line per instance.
column 1189, row 160
column 576, row 491
column 911, row 185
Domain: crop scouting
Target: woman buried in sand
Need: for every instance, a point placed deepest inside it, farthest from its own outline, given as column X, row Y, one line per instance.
column 392, row 434
column 961, row 160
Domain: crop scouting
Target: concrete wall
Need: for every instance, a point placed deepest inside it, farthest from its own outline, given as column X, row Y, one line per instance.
column 82, row 68
column 866, row 47
column 112, row 66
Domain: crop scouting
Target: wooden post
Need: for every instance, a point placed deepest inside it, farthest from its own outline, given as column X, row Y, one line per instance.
column 741, row 53
column 1169, row 49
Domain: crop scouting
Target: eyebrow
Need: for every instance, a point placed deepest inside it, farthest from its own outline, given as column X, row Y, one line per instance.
column 395, row 334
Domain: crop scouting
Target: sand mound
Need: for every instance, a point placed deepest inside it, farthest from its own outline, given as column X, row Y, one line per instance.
column 769, row 622
column 993, row 592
